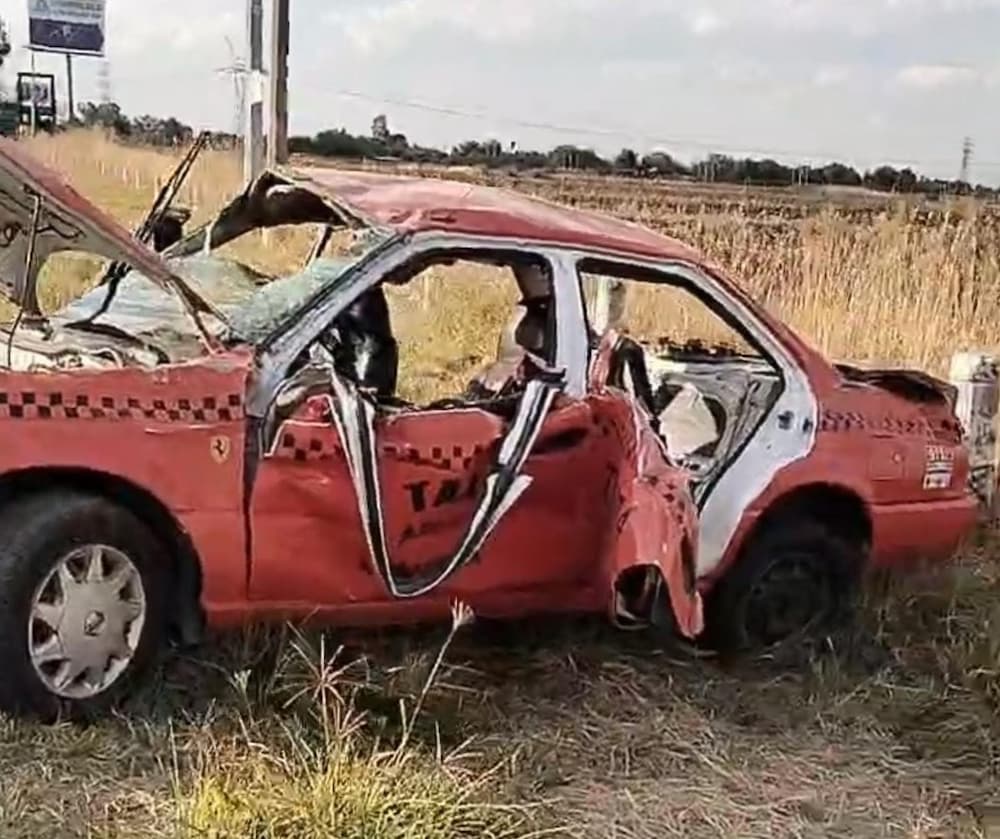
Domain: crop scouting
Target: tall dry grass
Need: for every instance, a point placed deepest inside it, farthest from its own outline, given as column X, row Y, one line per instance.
column 617, row 735
column 893, row 291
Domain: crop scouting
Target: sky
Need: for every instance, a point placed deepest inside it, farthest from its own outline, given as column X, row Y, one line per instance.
column 862, row 81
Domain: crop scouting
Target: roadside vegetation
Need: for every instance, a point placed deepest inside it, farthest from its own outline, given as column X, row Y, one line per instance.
column 567, row 728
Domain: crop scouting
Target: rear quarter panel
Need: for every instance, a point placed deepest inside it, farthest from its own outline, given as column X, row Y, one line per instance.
column 885, row 450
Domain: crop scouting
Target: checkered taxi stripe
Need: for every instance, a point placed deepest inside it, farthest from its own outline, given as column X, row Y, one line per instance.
column 843, row 421
column 308, row 443
column 40, row 405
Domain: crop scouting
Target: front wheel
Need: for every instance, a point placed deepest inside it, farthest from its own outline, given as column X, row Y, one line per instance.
column 83, row 588
column 795, row 579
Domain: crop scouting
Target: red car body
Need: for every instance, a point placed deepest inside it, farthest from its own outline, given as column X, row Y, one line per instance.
column 268, row 515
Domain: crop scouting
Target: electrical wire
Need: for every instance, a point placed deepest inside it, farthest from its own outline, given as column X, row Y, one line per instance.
column 625, row 134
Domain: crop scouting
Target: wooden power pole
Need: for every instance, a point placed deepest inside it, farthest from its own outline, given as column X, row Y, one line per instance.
column 253, row 137
column 277, row 138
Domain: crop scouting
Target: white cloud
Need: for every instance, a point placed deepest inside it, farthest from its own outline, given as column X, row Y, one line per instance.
column 742, row 71
column 375, row 27
column 831, row 74
column 707, row 22
column 934, row 76
column 641, row 69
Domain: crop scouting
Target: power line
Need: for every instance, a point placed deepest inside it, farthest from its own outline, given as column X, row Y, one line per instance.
column 629, row 135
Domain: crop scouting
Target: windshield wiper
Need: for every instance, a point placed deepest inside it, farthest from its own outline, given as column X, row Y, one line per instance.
column 116, row 271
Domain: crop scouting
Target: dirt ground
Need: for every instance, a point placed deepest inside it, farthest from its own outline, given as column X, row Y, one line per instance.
column 891, row 730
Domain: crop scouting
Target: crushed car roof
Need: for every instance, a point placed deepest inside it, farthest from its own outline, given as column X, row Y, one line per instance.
column 414, row 204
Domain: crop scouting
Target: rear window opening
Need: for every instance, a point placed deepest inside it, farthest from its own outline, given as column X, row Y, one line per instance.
column 709, row 383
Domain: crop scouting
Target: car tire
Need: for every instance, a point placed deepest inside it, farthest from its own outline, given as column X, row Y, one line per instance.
column 83, row 594
column 796, row 579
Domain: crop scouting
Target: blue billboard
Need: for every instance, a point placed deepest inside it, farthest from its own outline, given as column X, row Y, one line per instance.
column 71, row 26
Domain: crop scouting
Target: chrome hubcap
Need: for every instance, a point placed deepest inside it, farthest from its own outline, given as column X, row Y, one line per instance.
column 86, row 621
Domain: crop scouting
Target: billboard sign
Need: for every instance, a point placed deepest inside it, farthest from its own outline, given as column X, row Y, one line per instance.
column 71, row 26
column 36, row 98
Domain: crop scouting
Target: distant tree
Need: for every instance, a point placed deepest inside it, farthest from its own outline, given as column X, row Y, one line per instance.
column 380, row 129
column 572, row 157
column 882, row 177
column 492, row 153
column 626, row 161
column 661, row 164
column 467, row 149
column 907, row 181
column 107, row 115
column 718, row 167
column 338, row 143
column 839, row 174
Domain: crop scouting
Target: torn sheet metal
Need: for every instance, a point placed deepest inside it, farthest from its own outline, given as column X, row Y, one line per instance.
column 656, row 519
column 354, row 416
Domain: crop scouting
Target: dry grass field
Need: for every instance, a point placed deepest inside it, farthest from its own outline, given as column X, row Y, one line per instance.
column 569, row 729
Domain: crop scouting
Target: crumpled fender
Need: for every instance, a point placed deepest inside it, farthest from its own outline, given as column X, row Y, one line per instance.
column 656, row 520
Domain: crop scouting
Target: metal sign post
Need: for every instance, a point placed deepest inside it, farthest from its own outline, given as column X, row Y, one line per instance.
column 70, row 99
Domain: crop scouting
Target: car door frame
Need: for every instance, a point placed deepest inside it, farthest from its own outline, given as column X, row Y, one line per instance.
column 277, row 354
column 276, row 359
column 774, row 444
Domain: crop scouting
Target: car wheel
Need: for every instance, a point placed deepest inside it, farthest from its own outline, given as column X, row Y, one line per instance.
column 83, row 587
column 795, row 579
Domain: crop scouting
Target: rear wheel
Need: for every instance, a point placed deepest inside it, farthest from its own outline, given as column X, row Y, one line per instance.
column 83, row 588
column 797, row 578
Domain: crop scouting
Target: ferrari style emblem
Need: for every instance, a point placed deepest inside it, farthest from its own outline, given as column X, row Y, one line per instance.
column 220, row 448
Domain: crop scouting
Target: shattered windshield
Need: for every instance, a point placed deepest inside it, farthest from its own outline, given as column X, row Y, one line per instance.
column 254, row 318
column 253, row 302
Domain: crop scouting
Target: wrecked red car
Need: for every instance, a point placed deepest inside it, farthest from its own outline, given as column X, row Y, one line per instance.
column 192, row 441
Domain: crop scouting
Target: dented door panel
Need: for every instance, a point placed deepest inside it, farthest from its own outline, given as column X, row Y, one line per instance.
column 433, row 467
column 593, row 498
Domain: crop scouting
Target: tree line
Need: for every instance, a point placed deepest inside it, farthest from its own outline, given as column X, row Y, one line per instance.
column 144, row 130
column 382, row 143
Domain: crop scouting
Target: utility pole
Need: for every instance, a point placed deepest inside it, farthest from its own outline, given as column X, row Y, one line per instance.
column 253, row 136
column 69, row 88
column 277, row 138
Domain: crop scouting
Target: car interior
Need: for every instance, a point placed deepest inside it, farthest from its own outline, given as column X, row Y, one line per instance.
column 706, row 384
column 364, row 348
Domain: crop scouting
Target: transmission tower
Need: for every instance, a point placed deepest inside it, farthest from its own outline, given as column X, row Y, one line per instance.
column 237, row 69
column 967, row 149
column 104, row 92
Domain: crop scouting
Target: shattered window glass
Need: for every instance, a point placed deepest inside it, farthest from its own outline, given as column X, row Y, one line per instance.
column 272, row 303
column 260, row 315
